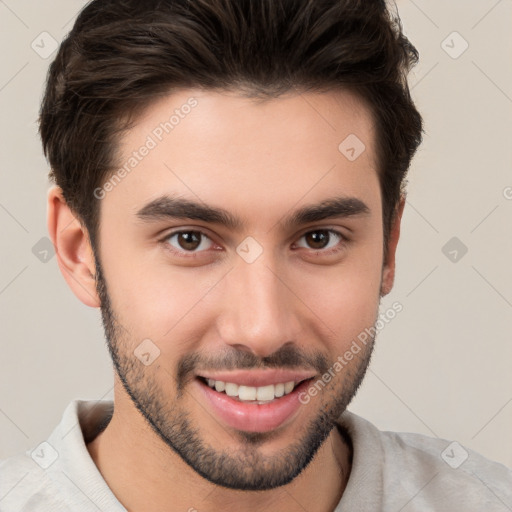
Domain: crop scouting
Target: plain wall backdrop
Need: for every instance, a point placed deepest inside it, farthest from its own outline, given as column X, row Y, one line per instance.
column 441, row 367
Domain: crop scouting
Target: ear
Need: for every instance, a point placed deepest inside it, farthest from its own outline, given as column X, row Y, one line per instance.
column 73, row 248
column 388, row 271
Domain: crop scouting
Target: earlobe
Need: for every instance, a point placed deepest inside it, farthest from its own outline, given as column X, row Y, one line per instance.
column 73, row 248
column 388, row 272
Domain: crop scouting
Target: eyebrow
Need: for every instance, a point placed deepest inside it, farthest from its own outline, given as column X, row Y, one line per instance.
column 167, row 207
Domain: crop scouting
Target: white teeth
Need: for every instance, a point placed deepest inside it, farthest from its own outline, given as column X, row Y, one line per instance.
column 265, row 392
column 279, row 390
column 231, row 389
column 251, row 393
column 288, row 386
column 247, row 393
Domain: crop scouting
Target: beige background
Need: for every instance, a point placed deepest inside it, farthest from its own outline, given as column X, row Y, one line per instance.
column 442, row 366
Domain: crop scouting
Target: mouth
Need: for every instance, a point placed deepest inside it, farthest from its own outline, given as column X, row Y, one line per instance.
column 252, row 394
column 252, row 408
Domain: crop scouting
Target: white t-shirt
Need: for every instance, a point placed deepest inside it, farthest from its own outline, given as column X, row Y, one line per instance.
column 391, row 472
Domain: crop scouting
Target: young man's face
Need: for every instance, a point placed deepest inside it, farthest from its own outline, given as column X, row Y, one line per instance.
column 271, row 300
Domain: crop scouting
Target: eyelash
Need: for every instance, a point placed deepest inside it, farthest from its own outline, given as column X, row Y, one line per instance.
column 189, row 254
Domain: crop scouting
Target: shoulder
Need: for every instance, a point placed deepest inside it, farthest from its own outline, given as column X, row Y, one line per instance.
column 51, row 476
column 433, row 472
column 25, row 486
column 406, row 449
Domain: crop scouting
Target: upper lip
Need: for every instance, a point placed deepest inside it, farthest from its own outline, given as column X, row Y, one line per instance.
column 257, row 378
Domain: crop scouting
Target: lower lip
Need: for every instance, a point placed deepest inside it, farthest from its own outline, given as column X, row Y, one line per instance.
column 253, row 417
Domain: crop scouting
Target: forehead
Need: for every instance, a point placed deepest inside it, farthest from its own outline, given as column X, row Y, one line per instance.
column 241, row 154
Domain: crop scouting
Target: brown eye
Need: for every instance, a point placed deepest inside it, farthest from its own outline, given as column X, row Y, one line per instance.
column 189, row 241
column 322, row 239
column 317, row 239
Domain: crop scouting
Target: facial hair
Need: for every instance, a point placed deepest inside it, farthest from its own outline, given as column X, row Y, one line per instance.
column 244, row 468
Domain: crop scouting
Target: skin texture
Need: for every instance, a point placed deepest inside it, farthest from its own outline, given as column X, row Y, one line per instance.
column 295, row 306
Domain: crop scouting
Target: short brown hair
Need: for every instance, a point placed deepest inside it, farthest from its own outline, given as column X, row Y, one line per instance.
column 122, row 54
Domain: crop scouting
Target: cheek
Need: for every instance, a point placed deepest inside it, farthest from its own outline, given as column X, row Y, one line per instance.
column 153, row 300
column 346, row 297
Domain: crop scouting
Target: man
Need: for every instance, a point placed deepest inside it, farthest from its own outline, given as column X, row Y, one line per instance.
column 229, row 190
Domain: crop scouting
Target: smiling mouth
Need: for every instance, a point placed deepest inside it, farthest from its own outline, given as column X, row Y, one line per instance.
column 253, row 394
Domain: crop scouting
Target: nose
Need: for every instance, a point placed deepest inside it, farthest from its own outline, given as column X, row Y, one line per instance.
column 259, row 310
